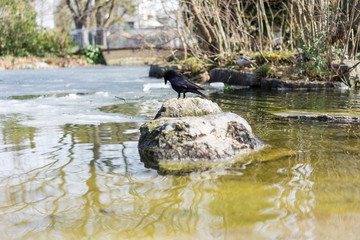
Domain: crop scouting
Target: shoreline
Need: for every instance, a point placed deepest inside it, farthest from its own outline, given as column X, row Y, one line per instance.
column 224, row 75
column 18, row 63
column 251, row 80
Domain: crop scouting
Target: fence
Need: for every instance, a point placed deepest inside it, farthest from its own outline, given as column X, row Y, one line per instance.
column 125, row 37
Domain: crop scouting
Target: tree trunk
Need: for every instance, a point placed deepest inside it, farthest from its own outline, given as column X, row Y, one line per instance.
column 99, row 30
column 81, row 19
column 82, row 24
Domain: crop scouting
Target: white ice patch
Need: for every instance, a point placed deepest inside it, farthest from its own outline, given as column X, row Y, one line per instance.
column 105, row 94
column 217, row 85
column 72, row 108
column 149, row 86
column 131, row 131
column 73, row 96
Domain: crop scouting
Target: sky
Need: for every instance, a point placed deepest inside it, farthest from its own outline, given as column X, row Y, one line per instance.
column 45, row 10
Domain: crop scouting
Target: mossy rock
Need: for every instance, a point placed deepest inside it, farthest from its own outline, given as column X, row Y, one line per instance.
column 186, row 143
column 339, row 117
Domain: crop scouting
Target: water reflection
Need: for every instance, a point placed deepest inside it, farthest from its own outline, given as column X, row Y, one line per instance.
column 15, row 136
column 84, row 179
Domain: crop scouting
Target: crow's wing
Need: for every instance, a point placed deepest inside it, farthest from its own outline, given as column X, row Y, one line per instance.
column 181, row 81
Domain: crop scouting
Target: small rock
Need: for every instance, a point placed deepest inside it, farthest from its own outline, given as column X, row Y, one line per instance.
column 106, row 211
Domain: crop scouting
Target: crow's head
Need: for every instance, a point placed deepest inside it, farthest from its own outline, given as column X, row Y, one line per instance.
column 168, row 75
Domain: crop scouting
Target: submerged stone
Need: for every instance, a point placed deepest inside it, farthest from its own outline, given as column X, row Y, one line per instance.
column 186, row 142
column 320, row 116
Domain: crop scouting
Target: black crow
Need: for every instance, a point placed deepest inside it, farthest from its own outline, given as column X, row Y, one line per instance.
column 181, row 85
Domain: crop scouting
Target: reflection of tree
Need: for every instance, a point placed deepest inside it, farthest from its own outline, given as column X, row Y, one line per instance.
column 62, row 173
column 144, row 108
column 92, row 204
column 277, row 197
column 294, row 201
column 294, row 204
column 105, row 133
column 16, row 134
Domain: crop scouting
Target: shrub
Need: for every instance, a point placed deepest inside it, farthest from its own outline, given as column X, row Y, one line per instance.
column 93, row 55
column 20, row 36
column 314, row 64
column 194, row 65
column 264, row 71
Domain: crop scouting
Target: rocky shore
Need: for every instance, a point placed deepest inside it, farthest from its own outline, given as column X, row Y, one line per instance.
column 251, row 80
column 247, row 79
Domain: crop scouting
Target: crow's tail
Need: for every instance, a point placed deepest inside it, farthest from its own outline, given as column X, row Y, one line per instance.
column 200, row 93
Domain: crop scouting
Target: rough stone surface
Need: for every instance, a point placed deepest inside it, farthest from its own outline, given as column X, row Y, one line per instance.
column 215, row 138
column 250, row 80
column 234, row 77
column 187, row 107
column 318, row 116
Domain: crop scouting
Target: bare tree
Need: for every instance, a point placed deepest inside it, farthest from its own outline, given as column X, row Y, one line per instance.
column 216, row 28
column 81, row 11
column 101, row 13
column 109, row 12
column 179, row 23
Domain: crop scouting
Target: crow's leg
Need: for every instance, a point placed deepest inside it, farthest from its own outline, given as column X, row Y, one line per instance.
column 178, row 95
column 184, row 94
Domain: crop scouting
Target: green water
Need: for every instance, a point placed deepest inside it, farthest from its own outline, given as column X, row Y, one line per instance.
column 69, row 166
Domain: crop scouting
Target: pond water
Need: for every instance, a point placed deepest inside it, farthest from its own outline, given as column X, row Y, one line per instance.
column 70, row 169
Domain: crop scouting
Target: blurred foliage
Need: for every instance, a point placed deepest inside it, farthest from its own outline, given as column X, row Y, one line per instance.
column 275, row 57
column 314, row 64
column 264, row 71
column 93, row 55
column 20, row 35
column 193, row 64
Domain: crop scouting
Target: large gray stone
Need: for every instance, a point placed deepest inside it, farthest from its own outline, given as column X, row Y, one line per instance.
column 232, row 77
column 211, row 138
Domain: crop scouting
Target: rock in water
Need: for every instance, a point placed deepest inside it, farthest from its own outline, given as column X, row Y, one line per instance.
column 189, row 107
column 185, row 139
